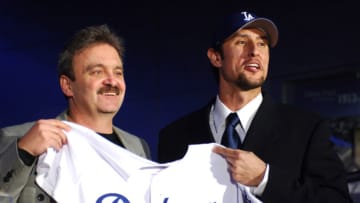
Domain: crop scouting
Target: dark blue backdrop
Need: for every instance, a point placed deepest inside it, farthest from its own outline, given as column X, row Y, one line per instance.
column 167, row 71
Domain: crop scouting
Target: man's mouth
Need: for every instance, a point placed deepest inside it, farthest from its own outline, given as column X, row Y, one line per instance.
column 252, row 66
column 109, row 91
column 110, row 94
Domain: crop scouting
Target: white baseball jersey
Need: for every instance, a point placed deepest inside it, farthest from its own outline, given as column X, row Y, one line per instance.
column 92, row 169
column 201, row 176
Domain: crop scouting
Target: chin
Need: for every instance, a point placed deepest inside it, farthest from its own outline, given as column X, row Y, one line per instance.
column 109, row 110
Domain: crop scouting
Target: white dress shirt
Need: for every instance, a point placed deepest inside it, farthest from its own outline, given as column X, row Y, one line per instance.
column 218, row 114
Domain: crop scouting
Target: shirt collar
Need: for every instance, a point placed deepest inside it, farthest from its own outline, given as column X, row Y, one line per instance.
column 246, row 114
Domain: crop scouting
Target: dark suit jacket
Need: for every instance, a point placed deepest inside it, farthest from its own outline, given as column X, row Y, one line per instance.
column 303, row 165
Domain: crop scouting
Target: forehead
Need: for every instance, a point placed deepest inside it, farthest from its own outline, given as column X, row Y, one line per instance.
column 250, row 32
column 95, row 47
column 97, row 52
column 96, row 55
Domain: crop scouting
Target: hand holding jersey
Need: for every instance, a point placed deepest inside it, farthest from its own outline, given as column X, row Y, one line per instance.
column 201, row 176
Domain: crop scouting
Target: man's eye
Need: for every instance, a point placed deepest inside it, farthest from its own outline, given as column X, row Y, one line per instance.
column 119, row 71
column 263, row 44
column 240, row 42
column 95, row 72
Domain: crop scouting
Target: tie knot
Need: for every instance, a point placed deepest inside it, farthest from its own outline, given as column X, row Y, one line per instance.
column 232, row 119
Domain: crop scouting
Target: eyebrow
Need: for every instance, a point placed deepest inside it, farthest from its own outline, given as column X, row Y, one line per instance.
column 92, row 66
column 263, row 36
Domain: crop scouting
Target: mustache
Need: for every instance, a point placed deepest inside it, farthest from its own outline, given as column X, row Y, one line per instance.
column 109, row 89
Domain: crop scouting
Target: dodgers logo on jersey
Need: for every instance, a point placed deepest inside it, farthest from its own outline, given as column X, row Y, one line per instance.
column 114, row 197
column 117, row 198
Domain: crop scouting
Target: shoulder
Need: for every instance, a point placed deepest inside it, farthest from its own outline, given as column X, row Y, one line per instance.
column 16, row 130
column 20, row 129
column 297, row 112
column 288, row 117
column 133, row 143
column 191, row 118
column 125, row 134
column 287, row 110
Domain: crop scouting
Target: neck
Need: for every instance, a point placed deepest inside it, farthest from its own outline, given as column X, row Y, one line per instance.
column 101, row 123
column 236, row 100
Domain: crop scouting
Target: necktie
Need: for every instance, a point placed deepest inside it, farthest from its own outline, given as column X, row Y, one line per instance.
column 230, row 137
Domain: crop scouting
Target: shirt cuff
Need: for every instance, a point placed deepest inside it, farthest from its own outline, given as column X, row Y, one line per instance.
column 258, row 190
column 26, row 157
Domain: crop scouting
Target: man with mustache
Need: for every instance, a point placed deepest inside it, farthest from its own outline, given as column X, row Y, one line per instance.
column 280, row 153
column 91, row 77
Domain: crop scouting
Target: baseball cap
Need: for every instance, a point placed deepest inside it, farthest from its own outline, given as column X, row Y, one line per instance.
column 240, row 20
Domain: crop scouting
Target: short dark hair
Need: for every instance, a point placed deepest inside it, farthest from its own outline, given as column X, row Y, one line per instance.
column 84, row 38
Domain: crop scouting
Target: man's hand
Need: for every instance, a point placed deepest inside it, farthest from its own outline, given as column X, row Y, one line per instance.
column 245, row 167
column 43, row 135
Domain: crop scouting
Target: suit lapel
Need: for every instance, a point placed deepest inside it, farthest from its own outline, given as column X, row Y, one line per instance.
column 201, row 132
column 262, row 131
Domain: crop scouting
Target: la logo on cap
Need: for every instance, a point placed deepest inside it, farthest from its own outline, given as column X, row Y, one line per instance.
column 247, row 16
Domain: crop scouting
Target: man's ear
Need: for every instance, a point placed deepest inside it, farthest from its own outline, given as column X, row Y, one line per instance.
column 65, row 85
column 214, row 57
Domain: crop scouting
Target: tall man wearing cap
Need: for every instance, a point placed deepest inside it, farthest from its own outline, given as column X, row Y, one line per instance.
column 283, row 154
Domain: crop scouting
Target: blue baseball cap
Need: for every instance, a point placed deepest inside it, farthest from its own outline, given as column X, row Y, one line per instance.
column 233, row 22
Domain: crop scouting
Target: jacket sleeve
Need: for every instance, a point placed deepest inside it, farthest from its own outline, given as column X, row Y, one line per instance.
column 14, row 174
column 322, row 177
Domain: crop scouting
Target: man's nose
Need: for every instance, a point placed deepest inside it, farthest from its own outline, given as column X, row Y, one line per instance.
column 253, row 49
column 110, row 79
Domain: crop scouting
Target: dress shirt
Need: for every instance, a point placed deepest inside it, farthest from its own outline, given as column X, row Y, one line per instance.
column 218, row 114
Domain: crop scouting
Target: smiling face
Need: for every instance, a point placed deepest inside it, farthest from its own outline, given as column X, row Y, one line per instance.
column 244, row 61
column 99, row 85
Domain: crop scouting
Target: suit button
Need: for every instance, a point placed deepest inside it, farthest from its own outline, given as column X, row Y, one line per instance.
column 40, row 197
column 8, row 176
column 6, row 179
